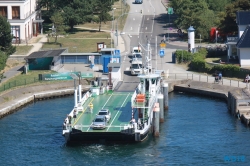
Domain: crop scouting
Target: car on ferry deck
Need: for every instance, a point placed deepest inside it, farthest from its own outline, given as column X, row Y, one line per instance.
column 106, row 113
column 100, row 122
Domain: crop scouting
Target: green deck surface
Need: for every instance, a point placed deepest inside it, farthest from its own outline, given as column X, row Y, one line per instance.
column 119, row 104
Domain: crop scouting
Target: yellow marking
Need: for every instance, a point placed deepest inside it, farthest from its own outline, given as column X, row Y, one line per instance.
column 82, row 113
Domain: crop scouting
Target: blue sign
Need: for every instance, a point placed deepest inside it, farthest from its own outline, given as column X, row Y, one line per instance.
column 162, row 53
column 117, row 52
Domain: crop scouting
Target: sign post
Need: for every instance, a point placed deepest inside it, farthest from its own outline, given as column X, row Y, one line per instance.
column 170, row 11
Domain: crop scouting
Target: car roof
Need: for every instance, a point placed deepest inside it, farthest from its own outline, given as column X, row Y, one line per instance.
column 100, row 116
column 103, row 110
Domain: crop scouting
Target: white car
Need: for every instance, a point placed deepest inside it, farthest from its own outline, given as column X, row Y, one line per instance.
column 99, row 123
column 137, row 57
column 106, row 113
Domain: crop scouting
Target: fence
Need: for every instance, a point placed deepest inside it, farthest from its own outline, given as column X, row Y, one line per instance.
column 207, row 78
column 9, row 85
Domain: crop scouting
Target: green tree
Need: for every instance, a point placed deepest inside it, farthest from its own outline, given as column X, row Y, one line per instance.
column 195, row 13
column 228, row 18
column 58, row 22
column 77, row 12
column 102, row 14
column 6, row 37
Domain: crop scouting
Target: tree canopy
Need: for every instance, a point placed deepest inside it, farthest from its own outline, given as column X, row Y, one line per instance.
column 76, row 12
column 5, row 37
column 205, row 14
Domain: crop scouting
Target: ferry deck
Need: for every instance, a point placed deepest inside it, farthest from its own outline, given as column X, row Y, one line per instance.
column 118, row 103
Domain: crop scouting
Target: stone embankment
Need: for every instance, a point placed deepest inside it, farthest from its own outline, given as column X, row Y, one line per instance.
column 17, row 98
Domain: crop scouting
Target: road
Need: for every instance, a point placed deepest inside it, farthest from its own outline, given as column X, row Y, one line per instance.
column 141, row 29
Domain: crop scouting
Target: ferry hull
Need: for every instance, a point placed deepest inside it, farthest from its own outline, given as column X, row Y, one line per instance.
column 76, row 136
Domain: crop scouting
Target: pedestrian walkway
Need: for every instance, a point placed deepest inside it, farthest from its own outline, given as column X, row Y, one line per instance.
column 36, row 47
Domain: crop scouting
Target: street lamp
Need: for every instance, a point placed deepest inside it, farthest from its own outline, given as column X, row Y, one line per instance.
column 112, row 28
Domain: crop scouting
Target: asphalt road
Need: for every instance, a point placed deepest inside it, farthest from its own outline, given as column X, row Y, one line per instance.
column 140, row 29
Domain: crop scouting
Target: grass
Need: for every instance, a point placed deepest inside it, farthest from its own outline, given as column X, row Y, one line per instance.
column 120, row 9
column 77, row 45
column 25, row 80
column 22, row 50
column 217, row 59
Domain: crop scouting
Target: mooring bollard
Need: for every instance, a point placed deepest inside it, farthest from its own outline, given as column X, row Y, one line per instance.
column 156, row 120
column 165, row 93
column 160, row 101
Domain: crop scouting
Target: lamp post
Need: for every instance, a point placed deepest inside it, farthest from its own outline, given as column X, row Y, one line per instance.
column 170, row 11
column 117, row 25
column 112, row 27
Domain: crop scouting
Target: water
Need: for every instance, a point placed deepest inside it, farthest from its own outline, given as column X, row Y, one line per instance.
column 196, row 131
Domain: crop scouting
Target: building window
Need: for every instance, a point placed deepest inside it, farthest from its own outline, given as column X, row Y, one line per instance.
column 15, row 12
column 3, row 11
column 15, row 31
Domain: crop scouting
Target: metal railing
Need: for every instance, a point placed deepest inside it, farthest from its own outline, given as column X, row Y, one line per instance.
column 16, row 83
column 207, row 79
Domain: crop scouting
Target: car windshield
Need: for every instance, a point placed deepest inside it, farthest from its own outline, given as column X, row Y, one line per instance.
column 99, row 120
column 136, row 66
column 136, row 51
column 137, row 56
column 102, row 113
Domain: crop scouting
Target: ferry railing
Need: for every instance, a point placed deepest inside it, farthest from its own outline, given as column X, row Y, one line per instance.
column 207, row 78
column 127, row 128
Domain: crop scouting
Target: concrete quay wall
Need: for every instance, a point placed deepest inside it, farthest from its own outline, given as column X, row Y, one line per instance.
column 20, row 97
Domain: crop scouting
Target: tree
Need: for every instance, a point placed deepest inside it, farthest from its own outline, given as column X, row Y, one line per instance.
column 228, row 18
column 76, row 12
column 58, row 22
column 195, row 13
column 6, row 37
column 103, row 8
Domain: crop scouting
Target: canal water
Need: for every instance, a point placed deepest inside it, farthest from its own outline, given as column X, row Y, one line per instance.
column 196, row 131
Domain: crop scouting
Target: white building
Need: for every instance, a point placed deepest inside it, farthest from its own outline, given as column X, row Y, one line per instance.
column 24, row 18
column 239, row 46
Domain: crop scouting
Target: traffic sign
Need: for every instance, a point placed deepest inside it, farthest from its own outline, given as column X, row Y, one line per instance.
column 163, row 45
column 162, row 53
column 117, row 52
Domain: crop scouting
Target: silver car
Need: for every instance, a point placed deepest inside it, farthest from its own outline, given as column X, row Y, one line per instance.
column 100, row 122
column 106, row 113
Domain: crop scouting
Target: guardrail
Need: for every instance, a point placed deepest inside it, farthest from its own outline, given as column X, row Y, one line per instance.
column 208, row 79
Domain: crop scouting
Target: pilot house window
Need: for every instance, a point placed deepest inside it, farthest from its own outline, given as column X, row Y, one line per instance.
column 15, row 12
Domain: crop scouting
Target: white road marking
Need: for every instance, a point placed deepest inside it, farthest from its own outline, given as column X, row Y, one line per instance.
column 133, row 18
column 103, row 106
column 127, row 68
column 117, row 112
column 146, row 28
column 131, row 28
column 147, row 18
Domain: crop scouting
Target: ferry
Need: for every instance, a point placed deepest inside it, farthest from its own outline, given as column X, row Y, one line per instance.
column 131, row 113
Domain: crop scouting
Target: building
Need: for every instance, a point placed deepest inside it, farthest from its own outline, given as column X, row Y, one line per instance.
column 24, row 18
column 239, row 46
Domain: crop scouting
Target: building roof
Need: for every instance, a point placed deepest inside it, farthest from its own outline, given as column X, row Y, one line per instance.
column 43, row 54
column 242, row 17
column 244, row 41
column 115, row 65
column 84, row 54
